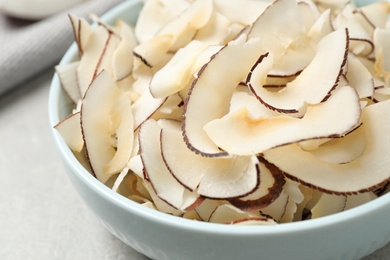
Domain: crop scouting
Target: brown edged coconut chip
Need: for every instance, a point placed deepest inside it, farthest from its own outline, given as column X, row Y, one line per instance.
column 373, row 16
column 271, row 186
column 382, row 53
column 155, row 14
column 328, row 204
column 211, row 92
column 68, row 79
column 96, row 56
column 241, row 179
column 376, row 75
column 295, row 197
column 143, row 73
column 302, row 212
column 106, row 113
column 360, row 41
column 122, row 58
column 278, row 81
column 335, row 6
column 313, row 84
column 82, row 32
column 192, row 214
column 145, row 106
column 381, row 94
column 175, row 75
column 277, row 208
column 239, row 134
column 344, row 149
column 218, row 178
column 359, row 76
column 153, row 51
column 215, row 31
column 244, row 12
column 70, row 130
column 243, row 98
column 204, row 57
column 280, row 24
column 126, row 86
column 253, row 221
column 322, row 26
column 359, row 199
column 229, row 214
column 309, row 13
column 294, row 60
column 164, row 184
column 114, row 29
column 136, row 166
column 281, row 31
column 172, row 108
column 184, row 26
column 208, row 206
column 369, row 171
column 157, row 203
column 313, row 144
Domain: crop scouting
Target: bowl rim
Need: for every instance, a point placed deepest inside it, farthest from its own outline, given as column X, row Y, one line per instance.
column 170, row 220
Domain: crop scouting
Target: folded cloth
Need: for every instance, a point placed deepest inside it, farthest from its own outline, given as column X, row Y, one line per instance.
column 28, row 48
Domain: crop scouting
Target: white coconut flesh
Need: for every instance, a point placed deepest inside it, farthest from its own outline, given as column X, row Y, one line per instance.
column 344, row 149
column 382, row 54
column 70, row 130
column 164, row 184
column 360, row 40
column 271, row 186
column 183, row 26
column 68, row 78
column 145, row 106
column 373, row 16
column 328, row 204
column 96, row 57
column 174, row 76
column 313, row 84
column 122, row 58
column 353, row 201
column 227, row 213
column 241, row 11
column 212, row 177
column 155, row 14
column 284, row 36
column 105, row 113
column 321, row 27
column 359, row 76
column 82, row 32
column 215, row 31
column 215, row 84
column 367, row 172
column 153, row 51
column 239, row 134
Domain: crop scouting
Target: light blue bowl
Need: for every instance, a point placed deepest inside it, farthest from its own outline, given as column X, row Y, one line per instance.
column 348, row 235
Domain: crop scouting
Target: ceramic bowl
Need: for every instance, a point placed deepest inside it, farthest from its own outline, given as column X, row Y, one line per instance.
column 347, row 235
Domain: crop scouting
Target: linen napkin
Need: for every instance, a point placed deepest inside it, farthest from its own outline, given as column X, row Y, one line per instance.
column 28, row 48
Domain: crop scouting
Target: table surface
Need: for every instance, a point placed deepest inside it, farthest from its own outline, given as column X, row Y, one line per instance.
column 41, row 215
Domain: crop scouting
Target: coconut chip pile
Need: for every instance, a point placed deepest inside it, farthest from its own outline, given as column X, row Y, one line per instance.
column 236, row 112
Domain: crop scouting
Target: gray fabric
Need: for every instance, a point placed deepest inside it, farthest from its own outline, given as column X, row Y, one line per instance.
column 28, row 48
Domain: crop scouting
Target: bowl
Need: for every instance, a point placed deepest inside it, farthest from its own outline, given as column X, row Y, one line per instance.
column 351, row 234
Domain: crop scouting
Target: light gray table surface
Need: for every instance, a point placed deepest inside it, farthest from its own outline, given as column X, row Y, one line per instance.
column 41, row 215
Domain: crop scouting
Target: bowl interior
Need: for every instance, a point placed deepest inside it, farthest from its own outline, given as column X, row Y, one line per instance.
column 60, row 107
